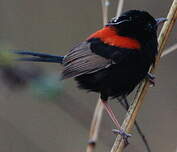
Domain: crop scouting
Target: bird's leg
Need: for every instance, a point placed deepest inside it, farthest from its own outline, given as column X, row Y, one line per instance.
column 151, row 78
column 113, row 118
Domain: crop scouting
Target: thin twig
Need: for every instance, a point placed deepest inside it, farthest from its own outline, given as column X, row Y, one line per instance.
column 95, row 124
column 136, row 105
column 169, row 50
column 119, row 8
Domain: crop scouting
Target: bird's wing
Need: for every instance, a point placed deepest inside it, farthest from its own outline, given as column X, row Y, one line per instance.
column 81, row 60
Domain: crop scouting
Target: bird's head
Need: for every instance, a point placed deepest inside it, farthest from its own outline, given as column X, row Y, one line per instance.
column 136, row 24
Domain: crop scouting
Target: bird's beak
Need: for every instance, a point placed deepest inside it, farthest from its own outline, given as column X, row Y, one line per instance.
column 160, row 20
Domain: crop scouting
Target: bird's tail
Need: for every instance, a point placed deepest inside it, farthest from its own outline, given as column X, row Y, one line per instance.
column 38, row 57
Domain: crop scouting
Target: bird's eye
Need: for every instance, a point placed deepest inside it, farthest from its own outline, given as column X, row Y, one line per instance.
column 115, row 20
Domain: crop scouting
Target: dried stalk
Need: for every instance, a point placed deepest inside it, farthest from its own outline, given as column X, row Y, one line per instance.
column 105, row 5
column 126, row 106
column 169, row 50
column 136, row 105
column 95, row 124
column 119, row 8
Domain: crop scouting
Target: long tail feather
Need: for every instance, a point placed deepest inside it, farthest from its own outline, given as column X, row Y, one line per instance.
column 38, row 57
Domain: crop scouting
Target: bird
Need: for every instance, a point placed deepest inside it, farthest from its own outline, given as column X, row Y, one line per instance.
column 113, row 60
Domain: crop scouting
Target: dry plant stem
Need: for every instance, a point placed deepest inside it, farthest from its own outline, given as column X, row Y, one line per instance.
column 169, row 50
column 138, row 101
column 126, row 106
column 94, row 129
column 95, row 124
column 119, row 8
column 105, row 5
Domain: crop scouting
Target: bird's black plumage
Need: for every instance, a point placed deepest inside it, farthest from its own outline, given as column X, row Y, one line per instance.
column 113, row 60
column 115, row 71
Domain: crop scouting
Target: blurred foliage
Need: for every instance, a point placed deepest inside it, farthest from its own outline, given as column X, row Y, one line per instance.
column 18, row 76
column 47, row 86
column 33, row 77
column 6, row 57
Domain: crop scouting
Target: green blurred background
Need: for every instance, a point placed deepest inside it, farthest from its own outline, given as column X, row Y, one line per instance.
column 40, row 124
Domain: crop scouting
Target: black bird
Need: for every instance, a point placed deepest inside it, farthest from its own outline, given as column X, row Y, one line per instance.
column 113, row 60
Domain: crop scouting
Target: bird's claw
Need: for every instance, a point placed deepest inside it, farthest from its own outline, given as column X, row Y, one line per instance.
column 124, row 135
column 151, row 79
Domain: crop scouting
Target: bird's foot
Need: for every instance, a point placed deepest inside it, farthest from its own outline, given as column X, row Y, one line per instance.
column 124, row 135
column 151, row 78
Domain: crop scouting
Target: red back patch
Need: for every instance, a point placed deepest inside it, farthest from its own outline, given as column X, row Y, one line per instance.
column 110, row 36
